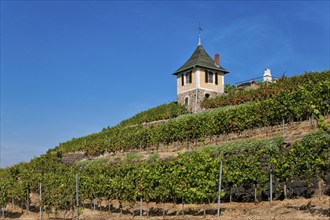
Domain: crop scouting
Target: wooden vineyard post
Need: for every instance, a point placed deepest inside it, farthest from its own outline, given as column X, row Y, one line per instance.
column 271, row 185
column 270, row 176
column 141, row 206
column 77, row 196
column 27, row 201
column 219, row 191
column 255, row 192
column 285, row 190
column 40, row 201
column 2, row 205
column 183, row 206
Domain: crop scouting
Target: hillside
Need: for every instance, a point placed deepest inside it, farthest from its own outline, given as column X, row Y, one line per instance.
column 166, row 154
column 291, row 132
column 297, row 101
column 190, row 177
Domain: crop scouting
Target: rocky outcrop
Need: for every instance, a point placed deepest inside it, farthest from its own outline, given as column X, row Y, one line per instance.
column 71, row 158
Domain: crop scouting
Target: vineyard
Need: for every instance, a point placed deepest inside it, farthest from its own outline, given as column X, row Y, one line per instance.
column 299, row 104
column 265, row 91
column 162, row 112
column 190, row 177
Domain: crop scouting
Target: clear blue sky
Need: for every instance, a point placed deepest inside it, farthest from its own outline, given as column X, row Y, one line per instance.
column 71, row 68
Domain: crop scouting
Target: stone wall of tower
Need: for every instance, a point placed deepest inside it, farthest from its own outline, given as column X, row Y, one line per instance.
column 195, row 98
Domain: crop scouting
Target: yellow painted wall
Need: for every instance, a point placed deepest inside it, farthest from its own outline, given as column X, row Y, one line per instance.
column 189, row 86
column 203, row 85
column 221, row 79
column 216, row 88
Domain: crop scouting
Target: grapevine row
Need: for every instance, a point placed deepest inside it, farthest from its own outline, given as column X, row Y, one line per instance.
column 193, row 175
column 297, row 105
column 161, row 112
column 266, row 90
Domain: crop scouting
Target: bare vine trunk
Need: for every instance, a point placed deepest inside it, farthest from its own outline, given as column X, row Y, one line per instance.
column 204, row 210
column 320, row 183
column 121, row 207
column 183, row 206
column 285, row 190
column 133, row 210
column 148, row 209
column 255, row 193
column 163, row 210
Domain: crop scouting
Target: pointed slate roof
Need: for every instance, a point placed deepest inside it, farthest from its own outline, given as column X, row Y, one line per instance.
column 200, row 59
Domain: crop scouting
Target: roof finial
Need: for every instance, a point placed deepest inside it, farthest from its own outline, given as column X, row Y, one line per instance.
column 199, row 34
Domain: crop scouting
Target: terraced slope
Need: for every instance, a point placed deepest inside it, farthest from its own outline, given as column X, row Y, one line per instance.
column 266, row 90
column 190, row 176
column 298, row 105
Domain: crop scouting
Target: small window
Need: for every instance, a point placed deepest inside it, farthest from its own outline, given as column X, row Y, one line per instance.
column 209, row 77
column 187, row 78
column 186, row 101
column 207, row 95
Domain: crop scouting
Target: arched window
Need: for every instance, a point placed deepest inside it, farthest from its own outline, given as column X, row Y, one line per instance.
column 207, row 95
column 186, row 100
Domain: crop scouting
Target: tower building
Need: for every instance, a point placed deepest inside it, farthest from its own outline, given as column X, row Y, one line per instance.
column 199, row 78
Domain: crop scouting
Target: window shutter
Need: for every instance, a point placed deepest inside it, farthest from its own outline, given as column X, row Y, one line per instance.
column 182, row 79
column 206, row 77
column 216, row 78
column 190, row 77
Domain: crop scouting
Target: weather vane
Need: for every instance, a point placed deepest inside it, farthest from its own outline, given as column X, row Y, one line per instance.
column 199, row 34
